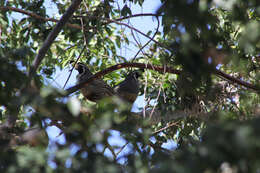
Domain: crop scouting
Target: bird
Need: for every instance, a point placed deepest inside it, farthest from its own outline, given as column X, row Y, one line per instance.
column 95, row 90
column 129, row 88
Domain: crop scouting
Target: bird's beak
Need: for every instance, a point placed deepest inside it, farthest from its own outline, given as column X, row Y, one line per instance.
column 72, row 62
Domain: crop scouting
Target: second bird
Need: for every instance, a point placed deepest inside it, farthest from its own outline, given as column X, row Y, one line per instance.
column 129, row 88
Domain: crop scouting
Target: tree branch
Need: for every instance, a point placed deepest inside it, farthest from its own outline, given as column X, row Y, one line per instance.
column 166, row 127
column 235, row 80
column 53, row 34
column 74, row 65
column 137, row 15
column 141, row 49
column 5, row 8
column 156, row 68
column 43, row 50
column 122, row 18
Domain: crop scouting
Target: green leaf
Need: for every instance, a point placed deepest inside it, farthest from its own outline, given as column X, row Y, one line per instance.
column 118, row 41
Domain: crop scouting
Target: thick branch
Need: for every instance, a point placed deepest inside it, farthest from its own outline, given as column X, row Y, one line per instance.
column 47, row 43
column 156, row 68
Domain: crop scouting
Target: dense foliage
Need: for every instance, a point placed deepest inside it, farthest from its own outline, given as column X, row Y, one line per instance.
column 203, row 101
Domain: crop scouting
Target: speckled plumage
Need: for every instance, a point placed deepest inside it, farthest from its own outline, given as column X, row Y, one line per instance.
column 94, row 90
column 129, row 88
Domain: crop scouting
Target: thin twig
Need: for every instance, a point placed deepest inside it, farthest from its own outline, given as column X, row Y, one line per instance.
column 36, row 16
column 166, row 127
column 0, row 34
column 130, row 27
column 74, row 65
column 158, row 95
column 157, row 29
column 121, row 149
column 158, row 147
column 137, row 15
column 138, row 43
column 112, row 150
column 145, row 89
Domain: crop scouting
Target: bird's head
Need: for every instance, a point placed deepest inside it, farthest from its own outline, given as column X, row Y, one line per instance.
column 135, row 74
column 83, row 70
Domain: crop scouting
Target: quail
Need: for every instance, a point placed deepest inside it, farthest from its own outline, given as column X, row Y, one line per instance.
column 96, row 89
column 129, row 88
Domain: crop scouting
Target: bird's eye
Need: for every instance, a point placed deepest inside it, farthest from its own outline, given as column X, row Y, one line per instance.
column 136, row 75
column 80, row 69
